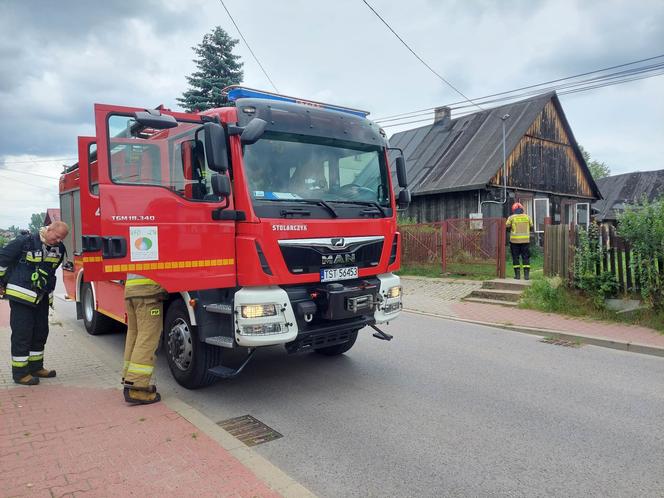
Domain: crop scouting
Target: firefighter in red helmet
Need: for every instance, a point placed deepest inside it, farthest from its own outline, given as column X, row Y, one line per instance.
column 519, row 224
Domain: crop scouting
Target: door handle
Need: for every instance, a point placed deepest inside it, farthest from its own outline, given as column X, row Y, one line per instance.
column 113, row 247
column 91, row 243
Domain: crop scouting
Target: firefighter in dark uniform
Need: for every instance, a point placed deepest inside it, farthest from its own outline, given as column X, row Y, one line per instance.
column 144, row 302
column 27, row 279
column 520, row 225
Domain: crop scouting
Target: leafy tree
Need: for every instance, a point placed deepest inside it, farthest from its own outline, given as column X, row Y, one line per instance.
column 597, row 169
column 3, row 241
column 36, row 221
column 217, row 67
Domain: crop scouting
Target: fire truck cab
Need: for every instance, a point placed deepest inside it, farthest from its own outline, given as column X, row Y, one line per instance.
column 269, row 222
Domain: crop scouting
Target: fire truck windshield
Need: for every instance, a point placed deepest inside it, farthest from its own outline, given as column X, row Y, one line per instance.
column 283, row 167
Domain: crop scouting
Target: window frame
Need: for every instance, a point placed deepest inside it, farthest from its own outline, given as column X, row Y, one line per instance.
column 535, row 210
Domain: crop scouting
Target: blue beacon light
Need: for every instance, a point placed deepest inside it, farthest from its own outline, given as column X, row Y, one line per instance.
column 234, row 93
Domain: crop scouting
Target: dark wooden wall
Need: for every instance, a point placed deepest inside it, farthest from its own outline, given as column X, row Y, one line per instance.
column 544, row 159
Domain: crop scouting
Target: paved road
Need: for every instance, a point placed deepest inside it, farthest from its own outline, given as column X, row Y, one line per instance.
column 448, row 409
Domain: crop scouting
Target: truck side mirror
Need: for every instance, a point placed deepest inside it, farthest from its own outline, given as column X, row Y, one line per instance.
column 221, row 185
column 253, row 131
column 403, row 201
column 216, row 152
column 154, row 119
column 401, row 172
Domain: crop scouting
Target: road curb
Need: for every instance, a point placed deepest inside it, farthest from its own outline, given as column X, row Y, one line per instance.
column 267, row 472
column 271, row 475
column 605, row 342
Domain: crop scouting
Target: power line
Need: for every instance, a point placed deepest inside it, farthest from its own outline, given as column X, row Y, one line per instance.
column 410, row 114
column 30, row 184
column 418, row 57
column 247, row 44
column 564, row 92
column 41, row 160
column 3, row 170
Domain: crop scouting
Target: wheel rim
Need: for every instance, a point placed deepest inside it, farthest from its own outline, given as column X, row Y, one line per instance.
column 179, row 344
column 88, row 308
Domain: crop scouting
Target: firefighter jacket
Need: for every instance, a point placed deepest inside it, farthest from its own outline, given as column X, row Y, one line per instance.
column 520, row 226
column 27, row 269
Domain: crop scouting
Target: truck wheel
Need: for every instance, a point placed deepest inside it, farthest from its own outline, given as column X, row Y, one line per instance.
column 188, row 358
column 338, row 349
column 95, row 323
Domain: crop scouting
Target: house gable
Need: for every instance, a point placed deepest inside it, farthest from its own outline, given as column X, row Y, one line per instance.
column 547, row 158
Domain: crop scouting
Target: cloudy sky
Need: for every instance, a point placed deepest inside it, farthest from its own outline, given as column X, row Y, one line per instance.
column 58, row 58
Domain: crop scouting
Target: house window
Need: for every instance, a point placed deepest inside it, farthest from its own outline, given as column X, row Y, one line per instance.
column 583, row 214
column 541, row 213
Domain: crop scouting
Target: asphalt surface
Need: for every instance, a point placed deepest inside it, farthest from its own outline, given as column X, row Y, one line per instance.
column 447, row 409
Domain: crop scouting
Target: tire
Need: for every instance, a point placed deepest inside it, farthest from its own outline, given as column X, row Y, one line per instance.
column 338, row 349
column 95, row 323
column 188, row 358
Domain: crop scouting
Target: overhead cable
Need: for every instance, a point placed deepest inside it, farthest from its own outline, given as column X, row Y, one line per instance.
column 404, row 114
column 247, row 44
column 420, row 58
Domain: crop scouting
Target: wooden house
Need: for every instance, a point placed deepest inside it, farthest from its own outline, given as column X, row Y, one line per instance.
column 455, row 165
column 630, row 188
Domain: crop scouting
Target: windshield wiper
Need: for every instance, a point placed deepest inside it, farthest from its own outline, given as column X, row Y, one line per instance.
column 373, row 204
column 318, row 202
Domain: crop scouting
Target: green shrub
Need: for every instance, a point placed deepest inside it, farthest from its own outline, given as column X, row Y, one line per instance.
column 547, row 294
column 642, row 225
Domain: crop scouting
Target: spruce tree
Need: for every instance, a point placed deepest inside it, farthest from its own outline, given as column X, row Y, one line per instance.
column 217, row 67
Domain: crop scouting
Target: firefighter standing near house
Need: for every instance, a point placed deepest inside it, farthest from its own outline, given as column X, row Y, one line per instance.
column 27, row 278
column 519, row 224
column 144, row 302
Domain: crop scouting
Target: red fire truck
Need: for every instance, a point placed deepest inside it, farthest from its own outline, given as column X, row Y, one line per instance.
column 271, row 221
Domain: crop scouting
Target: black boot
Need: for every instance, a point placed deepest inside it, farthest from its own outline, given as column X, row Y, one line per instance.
column 526, row 273
column 517, row 273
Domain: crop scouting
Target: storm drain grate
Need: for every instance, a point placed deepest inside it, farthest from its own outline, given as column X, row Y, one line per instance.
column 249, row 430
column 557, row 341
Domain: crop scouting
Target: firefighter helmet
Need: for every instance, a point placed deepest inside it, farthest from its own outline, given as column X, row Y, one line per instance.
column 517, row 205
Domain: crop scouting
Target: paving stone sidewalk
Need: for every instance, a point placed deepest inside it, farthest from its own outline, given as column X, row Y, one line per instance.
column 75, row 436
column 443, row 297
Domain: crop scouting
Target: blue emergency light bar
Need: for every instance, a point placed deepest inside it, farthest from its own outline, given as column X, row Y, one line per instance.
column 235, row 92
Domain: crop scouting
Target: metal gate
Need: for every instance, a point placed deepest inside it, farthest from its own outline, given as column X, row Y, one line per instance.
column 456, row 246
column 474, row 246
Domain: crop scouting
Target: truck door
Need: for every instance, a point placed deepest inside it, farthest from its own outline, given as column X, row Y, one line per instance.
column 156, row 204
column 90, row 217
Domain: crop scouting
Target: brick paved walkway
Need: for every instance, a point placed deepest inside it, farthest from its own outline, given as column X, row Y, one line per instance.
column 75, row 436
column 443, row 297
column 64, row 441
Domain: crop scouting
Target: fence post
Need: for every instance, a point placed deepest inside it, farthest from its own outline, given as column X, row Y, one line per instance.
column 629, row 283
column 620, row 246
column 443, row 227
column 501, row 248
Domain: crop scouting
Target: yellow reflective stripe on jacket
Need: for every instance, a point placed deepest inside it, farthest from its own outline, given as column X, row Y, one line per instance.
column 140, row 281
column 21, row 293
column 137, row 368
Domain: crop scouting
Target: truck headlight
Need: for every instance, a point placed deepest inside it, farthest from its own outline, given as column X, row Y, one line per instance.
column 258, row 310
column 394, row 291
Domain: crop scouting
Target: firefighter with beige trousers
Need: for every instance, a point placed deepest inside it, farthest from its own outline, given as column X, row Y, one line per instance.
column 144, row 302
column 520, row 225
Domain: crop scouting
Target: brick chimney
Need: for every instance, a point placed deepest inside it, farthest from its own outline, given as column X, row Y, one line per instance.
column 442, row 115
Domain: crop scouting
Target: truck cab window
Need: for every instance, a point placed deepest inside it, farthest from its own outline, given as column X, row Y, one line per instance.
column 173, row 158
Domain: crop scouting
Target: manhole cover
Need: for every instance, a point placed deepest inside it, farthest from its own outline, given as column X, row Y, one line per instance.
column 249, row 430
column 557, row 341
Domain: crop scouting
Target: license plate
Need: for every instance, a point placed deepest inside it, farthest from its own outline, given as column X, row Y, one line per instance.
column 330, row 274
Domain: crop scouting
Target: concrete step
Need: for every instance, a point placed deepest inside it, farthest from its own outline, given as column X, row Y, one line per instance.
column 509, row 304
column 506, row 284
column 497, row 294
